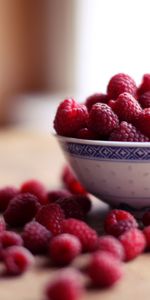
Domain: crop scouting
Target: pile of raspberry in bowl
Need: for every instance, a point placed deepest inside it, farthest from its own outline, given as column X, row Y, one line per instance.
column 122, row 114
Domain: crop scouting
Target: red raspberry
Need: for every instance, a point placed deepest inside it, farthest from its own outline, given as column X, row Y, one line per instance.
column 126, row 132
column 146, row 218
column 70, row 117
column 95, row 98
column 104, row 269
column 21, row 209
column 145, row 85
column 36, row 237
column 112, row 104
column 71, row 182
column 66, row 286
column 17, row 260
column 36, row 188
column 86, row 134
column 6, row 194
column 51, row 216
column 144, row 100
column 127, row 108
column 119, row 84
column 71, row 208
column 143, row 122
column 54, row 195
column 112, row 245
column 102, row 119
column 10, row 238
column 87, row 236
column 118, row 221
column 146, row 232
column 2, row 224
column 133, row 242
column 64, row 248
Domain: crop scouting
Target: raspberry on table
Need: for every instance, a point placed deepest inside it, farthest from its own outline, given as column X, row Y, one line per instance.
column 66, row 286
column 87, row 236
column 104, row 269
column 51, row 216
column 134, row 243
column 144, row 100
column 119, row 84
column 102, row 120
column 143, row 122
column 36, row 237
column 119, row 221
column 21, row 209
column 54, row 195
column 126, row 132
column 64, row 248
column 10, row 238
column 86, row 134
column 71, row 182
column 146, row 218
column 6, row 194
column 96, row 98
column 2, row 224
column 111, row 244
column 146, row 232
column 17, row 260
column 70, row 117
column 36, row 188
column 145, row 85
column 127, row 108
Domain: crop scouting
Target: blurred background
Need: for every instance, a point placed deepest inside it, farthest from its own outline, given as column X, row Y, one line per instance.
column 50, row 49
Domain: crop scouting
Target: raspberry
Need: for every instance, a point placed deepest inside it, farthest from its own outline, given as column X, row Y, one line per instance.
column 145, row 85
column 119, row 84
column 146, row 218
column 133, row 242
column 64, row 248
column 104, row 269
column 143, row 122
column 144, row 100
column 102, row 119
column 54, row 195
column 71, row 208
column 70, row 117
column 86, row 134
column 17, row 260
column 72, row 183
column 146, row 232
column 118, row 221
column 36, row 237
column 2, row 224
column 126, row 132
column 51, row 216
column 95, row 98
column 6, row 194
column 127, row 108
column 21, row 209
column 112, row 104
column 112, row 245
column 87, row 236
column 66, row 286
column 36, row 188
column 10, row 238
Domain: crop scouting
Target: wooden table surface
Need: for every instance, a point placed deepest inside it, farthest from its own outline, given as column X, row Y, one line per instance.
column 25, row 155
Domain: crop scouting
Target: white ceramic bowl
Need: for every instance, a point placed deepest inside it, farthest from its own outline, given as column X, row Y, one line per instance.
column 116, row 172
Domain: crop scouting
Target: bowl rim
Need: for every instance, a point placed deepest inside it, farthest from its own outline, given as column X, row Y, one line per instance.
column 101, row 142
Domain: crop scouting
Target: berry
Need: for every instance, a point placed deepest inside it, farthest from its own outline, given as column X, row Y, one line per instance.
column 118, row 221
column 102, row 119
column 87, row 236
column 36, row 188
column 21, row 209
column 144, row 100
column 17, row 260
column 66, row 286
column 2, row 224
column 146, row 218
column 145, row 85
column 71, row 182
column 133, row 242
column 86, row 134
column 70, row 117
column 54, row 195
column 51, row 216
column 112, row 245
column 36, row 237
column 10, row 238
column 112, row 104
column 126, row 132
column 6, row 194
column 119, row 84
column 146, row 232
column 95, row 98
column 127, row 108
column 143, row 122
column 64, row 248
column 104, row 269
